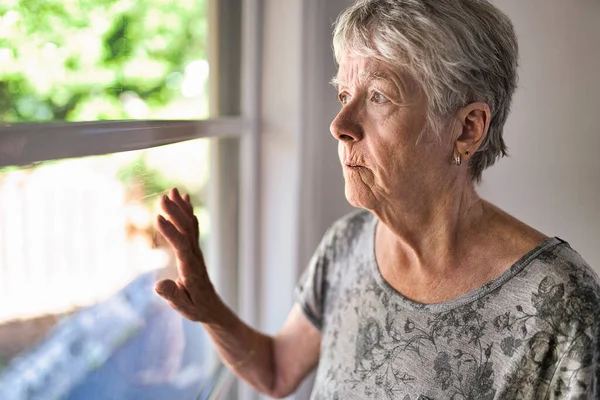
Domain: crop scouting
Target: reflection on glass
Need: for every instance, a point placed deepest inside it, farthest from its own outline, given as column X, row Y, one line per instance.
column 98, row 60
column 79, row 255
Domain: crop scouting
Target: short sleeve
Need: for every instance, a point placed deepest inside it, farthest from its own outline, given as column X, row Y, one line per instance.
column 577, row 373
column 310, row 290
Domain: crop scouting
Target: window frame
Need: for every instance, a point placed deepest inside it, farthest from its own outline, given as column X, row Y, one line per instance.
column 26, row 144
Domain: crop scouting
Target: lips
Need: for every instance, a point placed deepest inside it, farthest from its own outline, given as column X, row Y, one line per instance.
column 353, row 163
column 353, row 166
column 350, row 159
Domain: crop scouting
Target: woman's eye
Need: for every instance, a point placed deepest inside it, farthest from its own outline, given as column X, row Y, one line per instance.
column 343, row 98
column 379, row 98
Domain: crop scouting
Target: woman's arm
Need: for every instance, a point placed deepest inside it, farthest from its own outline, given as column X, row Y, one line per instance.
column 272, row 365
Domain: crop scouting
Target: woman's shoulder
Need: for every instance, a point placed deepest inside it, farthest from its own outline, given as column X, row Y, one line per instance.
column 353, row 224
column 564, row 272
column 560, row 259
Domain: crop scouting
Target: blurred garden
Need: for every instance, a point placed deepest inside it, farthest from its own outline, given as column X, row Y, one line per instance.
column 75, row 232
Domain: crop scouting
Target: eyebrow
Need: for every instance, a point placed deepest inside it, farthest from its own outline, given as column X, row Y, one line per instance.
column 336, row 82
column 368, row 76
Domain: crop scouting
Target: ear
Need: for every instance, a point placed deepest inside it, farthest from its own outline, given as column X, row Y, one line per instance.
column 474, row 122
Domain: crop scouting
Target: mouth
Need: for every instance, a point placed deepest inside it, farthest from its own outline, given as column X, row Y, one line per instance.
column 353, row 166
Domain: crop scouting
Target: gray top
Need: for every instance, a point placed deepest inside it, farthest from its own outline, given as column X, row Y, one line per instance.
column 532, row 333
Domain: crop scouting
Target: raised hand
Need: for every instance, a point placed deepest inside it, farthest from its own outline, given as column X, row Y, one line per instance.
column 272, row 365
column 192, row 293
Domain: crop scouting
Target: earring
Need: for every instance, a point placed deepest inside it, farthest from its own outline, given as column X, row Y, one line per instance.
column 458, row 160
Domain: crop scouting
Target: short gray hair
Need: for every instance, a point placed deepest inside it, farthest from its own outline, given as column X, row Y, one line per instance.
column 460, row 52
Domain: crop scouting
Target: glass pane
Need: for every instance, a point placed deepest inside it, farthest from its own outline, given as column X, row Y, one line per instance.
column 88, row 60
column 79, row 256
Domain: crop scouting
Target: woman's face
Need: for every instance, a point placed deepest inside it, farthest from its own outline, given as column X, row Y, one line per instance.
column 384, row 156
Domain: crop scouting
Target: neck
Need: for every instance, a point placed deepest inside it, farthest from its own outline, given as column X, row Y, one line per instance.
column 429, row 233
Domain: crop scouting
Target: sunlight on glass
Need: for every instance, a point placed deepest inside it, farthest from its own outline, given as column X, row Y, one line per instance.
column 79, row 256
column 99, row 60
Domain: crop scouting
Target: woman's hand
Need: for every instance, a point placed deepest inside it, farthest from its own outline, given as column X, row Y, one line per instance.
column 192, row 293
column 273, row 366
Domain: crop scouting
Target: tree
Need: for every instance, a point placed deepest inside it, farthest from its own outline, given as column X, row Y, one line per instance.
column 75, row 60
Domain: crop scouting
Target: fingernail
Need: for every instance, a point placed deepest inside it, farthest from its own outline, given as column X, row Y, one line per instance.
column 161, row 218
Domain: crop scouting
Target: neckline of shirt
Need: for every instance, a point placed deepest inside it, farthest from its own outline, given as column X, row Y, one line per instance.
column 469, row 297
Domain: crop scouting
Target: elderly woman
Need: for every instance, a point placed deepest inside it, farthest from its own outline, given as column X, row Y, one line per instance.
column 429, row 292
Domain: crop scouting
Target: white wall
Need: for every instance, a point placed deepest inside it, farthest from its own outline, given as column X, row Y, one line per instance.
column 552, row 178
column 280, row 168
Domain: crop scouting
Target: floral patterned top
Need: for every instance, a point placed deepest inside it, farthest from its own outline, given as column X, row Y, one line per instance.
column 532, row 333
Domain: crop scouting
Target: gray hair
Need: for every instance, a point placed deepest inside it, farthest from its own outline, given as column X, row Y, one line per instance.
column 460, row 52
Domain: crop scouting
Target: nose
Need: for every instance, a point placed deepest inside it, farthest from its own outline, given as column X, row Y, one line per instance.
column 345, row 126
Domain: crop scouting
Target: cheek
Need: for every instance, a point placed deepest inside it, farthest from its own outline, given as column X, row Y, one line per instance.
column 395, row 148
column 386, row 153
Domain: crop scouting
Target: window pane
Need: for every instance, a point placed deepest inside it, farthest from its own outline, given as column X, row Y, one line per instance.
column 91, row 60
column 79, row 256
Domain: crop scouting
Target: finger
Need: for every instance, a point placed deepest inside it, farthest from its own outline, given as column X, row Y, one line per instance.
column 182, row 287
column 181, row 202
column 177, row 216
column 177, row 298
column 186, row 205
column 190, row 260
column 187, row 199
column 170, row 291
column 180, row 244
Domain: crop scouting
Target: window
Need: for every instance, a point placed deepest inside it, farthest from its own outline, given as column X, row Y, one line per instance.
column 105, row 105
column 79, row 257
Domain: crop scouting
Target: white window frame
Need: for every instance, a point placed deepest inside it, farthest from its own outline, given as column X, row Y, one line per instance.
column 30, row 143
column 24, row 144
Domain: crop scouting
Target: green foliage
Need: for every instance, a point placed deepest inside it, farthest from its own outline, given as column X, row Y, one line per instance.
column 149, row 181
column 74, row 60
column 139, row 174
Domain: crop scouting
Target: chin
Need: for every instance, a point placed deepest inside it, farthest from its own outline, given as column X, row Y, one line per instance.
column 358, row 198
